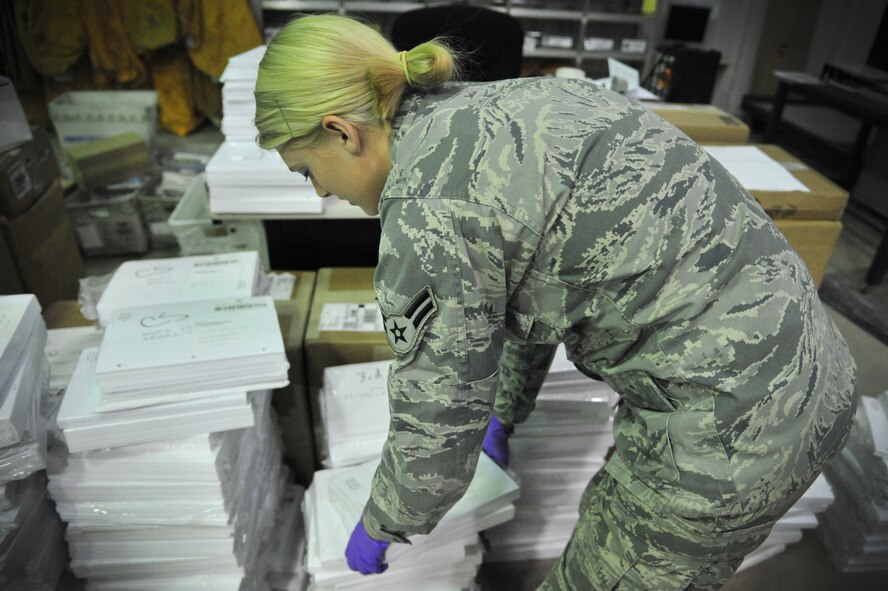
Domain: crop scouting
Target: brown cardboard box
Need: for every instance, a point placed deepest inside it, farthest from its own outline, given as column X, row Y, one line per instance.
column 64, row 314
column 705, row 124
column 110, row 160
column 42, row 246
column 328, row 348
column 25, row 173
column 825, row 201
column 814, row 240
column 291, row 402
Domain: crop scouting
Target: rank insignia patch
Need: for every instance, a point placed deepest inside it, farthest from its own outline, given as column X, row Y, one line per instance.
column 402, row 330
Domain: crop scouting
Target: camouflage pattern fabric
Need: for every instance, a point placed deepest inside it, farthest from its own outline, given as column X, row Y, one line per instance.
column 539, row 211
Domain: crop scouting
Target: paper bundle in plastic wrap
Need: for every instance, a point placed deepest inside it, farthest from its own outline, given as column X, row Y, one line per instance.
column 854, row 530
column 354, row 409
column 183, row 279
column 85, row 428
column 284, row 551
column 32, row 552
column 183, row 351
column 554, row 454
column 789, row 528
column 447, row 558
column 179, row 514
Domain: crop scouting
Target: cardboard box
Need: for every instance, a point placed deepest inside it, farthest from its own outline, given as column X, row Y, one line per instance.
column 65, row 314
column 705, row 124
column 26, row 173
column 825, row 201
column 43, row 249
column 292, row 402
column 338, row 292
column 110, row 160
column 814, row 240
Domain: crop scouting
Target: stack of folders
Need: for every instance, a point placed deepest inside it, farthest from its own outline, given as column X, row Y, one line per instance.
column 184, row 351
column 238, row 101
column 178, row 514
column 789, row 528
column 354, row 409
column 183, row 279
column 854, row 530
column 447, row 558
column 242, row 178
column 32, row 552
column 554, row 453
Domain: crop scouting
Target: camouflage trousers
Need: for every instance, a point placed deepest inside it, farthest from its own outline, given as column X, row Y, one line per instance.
column 621, row 543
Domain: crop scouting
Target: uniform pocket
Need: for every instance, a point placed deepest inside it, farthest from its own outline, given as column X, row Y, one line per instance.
column 641, row 391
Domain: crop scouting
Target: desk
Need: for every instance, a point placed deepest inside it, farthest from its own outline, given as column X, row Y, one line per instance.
column 868, row 106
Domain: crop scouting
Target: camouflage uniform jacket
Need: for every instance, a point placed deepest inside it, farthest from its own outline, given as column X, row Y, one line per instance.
column 524, row 213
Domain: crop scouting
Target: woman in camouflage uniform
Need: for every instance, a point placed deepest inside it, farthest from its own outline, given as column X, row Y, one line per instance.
column 520, row 214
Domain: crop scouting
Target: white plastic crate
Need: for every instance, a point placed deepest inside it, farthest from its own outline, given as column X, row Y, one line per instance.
column 85, row 116
column 197, row 233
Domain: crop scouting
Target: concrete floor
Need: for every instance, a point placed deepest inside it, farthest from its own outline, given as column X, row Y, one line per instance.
column 803, row 566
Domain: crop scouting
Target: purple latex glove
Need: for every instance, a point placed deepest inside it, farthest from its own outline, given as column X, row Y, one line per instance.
column 364, row 554
column 496, row 442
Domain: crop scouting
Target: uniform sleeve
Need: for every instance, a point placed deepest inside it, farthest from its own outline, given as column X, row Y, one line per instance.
column 523, row 368
column 440, row 285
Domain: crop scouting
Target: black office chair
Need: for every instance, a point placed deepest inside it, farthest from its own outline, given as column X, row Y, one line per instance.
column 491, row 40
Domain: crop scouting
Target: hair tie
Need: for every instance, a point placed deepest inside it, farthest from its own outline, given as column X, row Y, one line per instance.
column 402, row 57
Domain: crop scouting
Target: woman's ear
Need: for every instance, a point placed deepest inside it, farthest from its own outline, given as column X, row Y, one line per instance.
column 344, row 133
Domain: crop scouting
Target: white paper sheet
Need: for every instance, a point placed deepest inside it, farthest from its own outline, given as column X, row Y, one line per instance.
column 755, row 170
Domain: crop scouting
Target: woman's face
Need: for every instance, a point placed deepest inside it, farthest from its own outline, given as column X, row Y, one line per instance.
column 348, row 162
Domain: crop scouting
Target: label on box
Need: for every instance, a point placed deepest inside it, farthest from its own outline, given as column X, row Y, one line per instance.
column 633, row 45
column 89, row 237
column 20, row 180
column 281, row 287
column 354, row 317
column 160, row 229
column 598, row 44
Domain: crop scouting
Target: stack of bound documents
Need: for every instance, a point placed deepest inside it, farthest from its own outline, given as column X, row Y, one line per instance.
column 447, row 558
column 554, row 454
column 354, row 409
column 238, row 101
column 86, row 428
column 183, row 279
column 789, row 528
column 854, row 530
column 183, row 351
column 32, row 552
column 242, row 178
column 174, row 515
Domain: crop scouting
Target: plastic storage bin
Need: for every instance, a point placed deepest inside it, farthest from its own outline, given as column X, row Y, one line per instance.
column 107, row 225
column 85, row 116
column 197, row 233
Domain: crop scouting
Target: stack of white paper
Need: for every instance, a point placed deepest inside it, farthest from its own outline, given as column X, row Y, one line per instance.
column 242, row 178
column 788, row 529
column 238, row 102
column 354, row 408
column 183, row 279
column 854, row 530
column 31, row 547
column 173, row 514
column 447, row 558
column 175, row 352
column 85, row 428
column 554, row 453
column 755, row 170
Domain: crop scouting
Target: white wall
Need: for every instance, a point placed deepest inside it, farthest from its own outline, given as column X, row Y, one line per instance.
column 845, row 32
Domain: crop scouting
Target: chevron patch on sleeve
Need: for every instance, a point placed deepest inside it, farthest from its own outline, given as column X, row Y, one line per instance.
column 403, row 330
